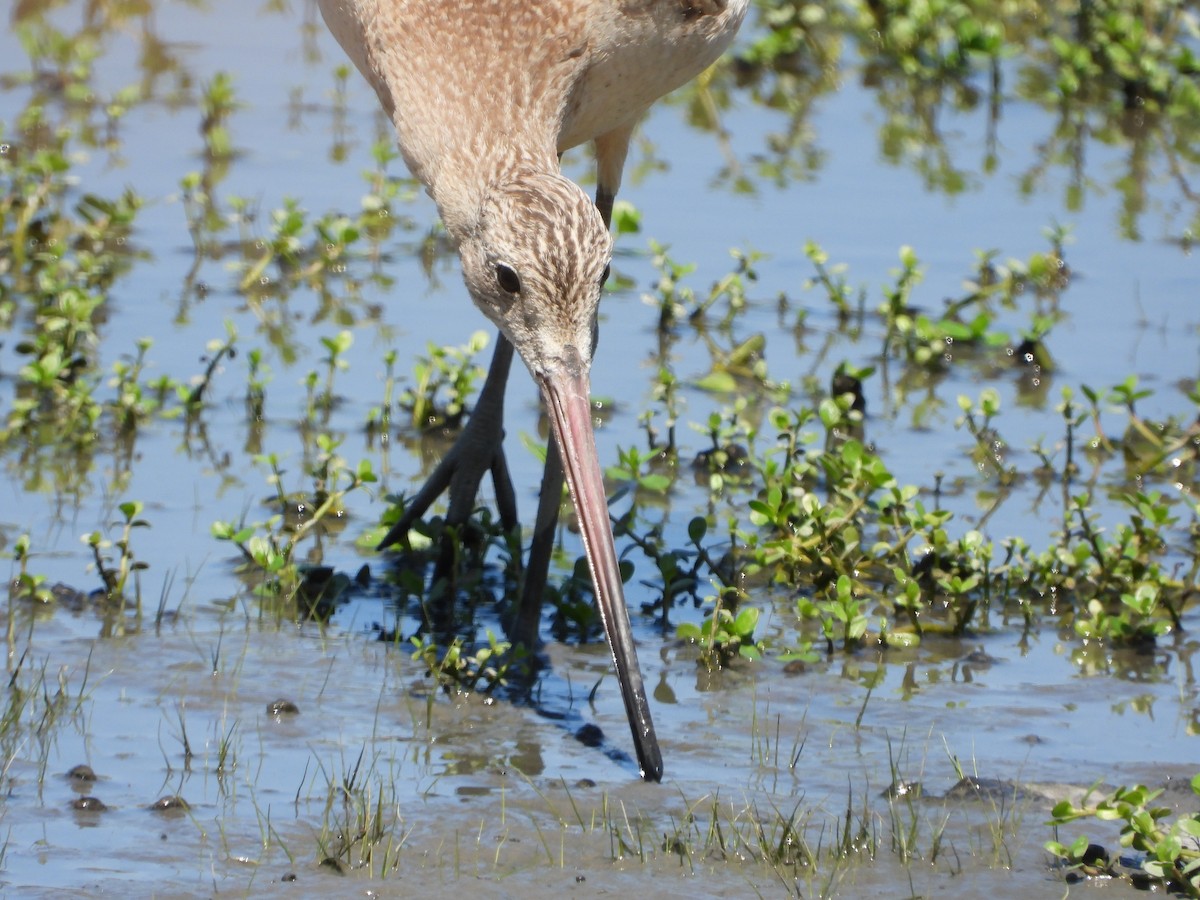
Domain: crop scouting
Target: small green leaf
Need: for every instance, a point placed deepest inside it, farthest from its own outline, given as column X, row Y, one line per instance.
column 718, row 383
column 746, row 621
column 655, row 482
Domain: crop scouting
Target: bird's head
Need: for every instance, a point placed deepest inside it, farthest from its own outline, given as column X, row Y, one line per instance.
column 535, row 263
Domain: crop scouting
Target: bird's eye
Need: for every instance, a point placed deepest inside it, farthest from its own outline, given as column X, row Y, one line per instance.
column 605, row 274
column 507, row 279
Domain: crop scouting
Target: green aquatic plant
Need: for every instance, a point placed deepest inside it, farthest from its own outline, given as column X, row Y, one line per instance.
column 1172, row 857
column 61, row 258
column 448, row 370
column 671, row 297
column 25, row 585
column 269, row 548
column 639, row 470
column 729, row 291
column 135, row 403
column 116, row 571
column 830, row 277
column 665, row 396
column 361, row 823
column 678, row 570
column 379, row 417
column 836, row 525
column 1135, row 624
column 990, row 447
column 1107, row 74
column 335, row 361
column 727, row 632
column 482, row 670
column 40, row 700
column 840, row 614
column 218, row 100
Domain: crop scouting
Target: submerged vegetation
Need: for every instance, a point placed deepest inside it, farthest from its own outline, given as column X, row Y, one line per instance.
column 773, row 522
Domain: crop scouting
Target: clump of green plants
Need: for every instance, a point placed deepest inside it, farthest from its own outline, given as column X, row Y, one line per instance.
column 1129, row 57
column 361, row 827
column 1169, row 843
column 268, row 548
column 726, row 633
column 873, row 561
column 1105, row 73
column 304, row 253
column 482, row 670
column 989, row 449
column 116, row 571
column 810, row 505
column 39, row 700
column 638, row 470
column 849, row 303
column 218, row 100
column 679, row 570
column 25, row 585
column 62, row 257
column 444, row 381
column 841, row 616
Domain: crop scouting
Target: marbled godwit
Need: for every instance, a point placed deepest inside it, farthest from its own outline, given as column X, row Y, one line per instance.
column 485, row 95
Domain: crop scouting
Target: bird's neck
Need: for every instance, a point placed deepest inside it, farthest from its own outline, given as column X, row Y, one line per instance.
column 466, row 175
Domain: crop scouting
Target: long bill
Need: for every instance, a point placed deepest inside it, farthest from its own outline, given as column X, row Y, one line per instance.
column 568, row 398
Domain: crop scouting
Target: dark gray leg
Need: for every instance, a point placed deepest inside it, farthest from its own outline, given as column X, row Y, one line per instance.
column 478, row 450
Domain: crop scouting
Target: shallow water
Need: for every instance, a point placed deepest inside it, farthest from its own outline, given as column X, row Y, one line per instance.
column 495, row 794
